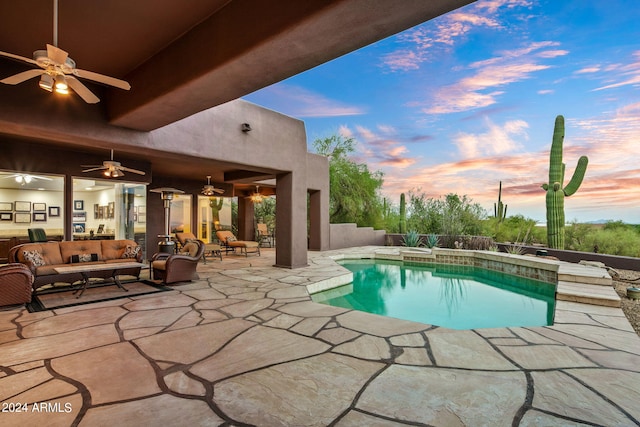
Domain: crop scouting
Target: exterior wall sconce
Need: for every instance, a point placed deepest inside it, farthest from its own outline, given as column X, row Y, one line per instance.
column 245, row 127
column 167, row 193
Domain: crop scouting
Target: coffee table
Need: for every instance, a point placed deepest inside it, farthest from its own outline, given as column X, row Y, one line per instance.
column 86, row 270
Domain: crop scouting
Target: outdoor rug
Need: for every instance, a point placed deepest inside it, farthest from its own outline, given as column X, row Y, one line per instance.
column 96, row 292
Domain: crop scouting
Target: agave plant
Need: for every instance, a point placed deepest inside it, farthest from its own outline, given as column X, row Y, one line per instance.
column 412, row 239
column 432, row 241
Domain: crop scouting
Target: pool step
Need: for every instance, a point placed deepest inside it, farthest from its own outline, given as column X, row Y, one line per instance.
column 586, row 293
column 584, row 274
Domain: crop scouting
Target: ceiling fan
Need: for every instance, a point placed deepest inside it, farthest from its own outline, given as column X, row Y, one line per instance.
column 58, row 71
column 209, row 190
column 112, row 169
column 25, row 178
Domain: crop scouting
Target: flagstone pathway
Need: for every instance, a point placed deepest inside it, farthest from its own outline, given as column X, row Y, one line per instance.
column 244, row 345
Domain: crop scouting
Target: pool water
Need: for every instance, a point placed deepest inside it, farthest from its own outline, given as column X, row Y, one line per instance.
column 452, row 296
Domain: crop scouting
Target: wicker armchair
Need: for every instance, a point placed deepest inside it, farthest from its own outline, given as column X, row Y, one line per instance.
column 15, row 284
column 180, row 267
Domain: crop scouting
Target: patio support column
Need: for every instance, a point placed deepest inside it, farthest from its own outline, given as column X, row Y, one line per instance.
column 245, row 219
column 318, row 220
column 291, row 220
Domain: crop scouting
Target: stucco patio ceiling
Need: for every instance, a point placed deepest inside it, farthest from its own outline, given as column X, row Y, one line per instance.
column 182, row 57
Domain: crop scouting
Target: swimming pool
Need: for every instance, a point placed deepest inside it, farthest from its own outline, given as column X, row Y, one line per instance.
column 452, row 296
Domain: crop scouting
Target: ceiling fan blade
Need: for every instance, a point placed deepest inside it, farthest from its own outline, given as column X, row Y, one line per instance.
column 139, row 172
column 97, row 168
column 82, row 90
column 218, row 190
column 18, row 57
column 56, row 54
column 21, row 77
column 100, row 78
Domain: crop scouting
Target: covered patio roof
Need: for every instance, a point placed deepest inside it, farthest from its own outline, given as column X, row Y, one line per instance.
column 181, row 57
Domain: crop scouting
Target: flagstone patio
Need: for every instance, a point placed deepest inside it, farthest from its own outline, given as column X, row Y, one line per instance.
column 244, row 345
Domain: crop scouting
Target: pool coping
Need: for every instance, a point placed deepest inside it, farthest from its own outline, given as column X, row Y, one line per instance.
column 587, row 284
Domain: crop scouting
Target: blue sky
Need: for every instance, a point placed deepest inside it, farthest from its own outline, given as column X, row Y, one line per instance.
column 469, row 99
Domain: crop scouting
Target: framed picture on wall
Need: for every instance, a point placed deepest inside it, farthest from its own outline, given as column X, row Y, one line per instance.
column 6, row 216
column 39, row 216
column 78, row 205
column 39, row 207
column 78, row 227
column 135, row 217
column 54, row 210
column 6, row 206
column 142, row 218
column 142, row 210
column 22, row 218
column 101, row 212
column 23, row 207
column 80, row 216
column 112, row 210
column 96, row 211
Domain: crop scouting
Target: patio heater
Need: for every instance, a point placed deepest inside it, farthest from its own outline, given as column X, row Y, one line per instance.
column 166, row 245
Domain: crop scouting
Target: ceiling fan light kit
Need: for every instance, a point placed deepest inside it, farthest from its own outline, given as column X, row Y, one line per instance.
column 111, row 168
column 210, row 190
column 59, row 71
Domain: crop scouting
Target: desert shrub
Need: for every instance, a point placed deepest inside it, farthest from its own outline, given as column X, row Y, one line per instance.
column 614, row 238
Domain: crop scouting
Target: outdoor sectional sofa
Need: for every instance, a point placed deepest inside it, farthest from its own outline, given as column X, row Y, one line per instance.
column 43, row 258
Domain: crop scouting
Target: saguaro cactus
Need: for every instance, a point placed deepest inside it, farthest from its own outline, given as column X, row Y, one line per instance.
column 500, row 209
column 216, row 205
column 555, row 190
column 403, row 215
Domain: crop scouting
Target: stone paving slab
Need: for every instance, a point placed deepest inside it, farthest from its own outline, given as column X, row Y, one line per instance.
column 245, row 345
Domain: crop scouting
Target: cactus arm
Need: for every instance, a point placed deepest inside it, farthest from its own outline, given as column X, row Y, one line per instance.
column 577, row 177
column 556, row 168
column 403, row 215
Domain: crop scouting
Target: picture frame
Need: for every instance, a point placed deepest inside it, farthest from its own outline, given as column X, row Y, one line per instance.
column 6, row 206
column 39, row 216
column 22, row 206
column 112, row 209
column 96, row 211
column 22, row 218
column 142, row 218
column 142, row 210
column 54, row 211
column 6, row 216
column 101, row 212
column 39, row 207
column 78, row 205
column 78, row 227
column 135, row 217
column 79, row 216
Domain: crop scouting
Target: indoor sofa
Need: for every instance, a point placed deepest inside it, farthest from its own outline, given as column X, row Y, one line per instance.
column 43, row 258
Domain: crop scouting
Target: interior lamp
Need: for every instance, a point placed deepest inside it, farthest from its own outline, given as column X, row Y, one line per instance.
column 23, row 179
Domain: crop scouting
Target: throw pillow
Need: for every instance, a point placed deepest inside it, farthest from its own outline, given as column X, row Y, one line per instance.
column 84, row 258
column 34, row 257
column 131, row 251
column 232, row 239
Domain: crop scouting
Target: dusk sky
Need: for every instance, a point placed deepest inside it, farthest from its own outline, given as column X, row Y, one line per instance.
column 469, row 99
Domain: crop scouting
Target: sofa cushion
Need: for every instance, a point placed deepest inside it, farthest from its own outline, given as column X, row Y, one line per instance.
column 112, row 249
column 34, row 257
column 50, row 252
column 131, row 251
column 79, row 247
